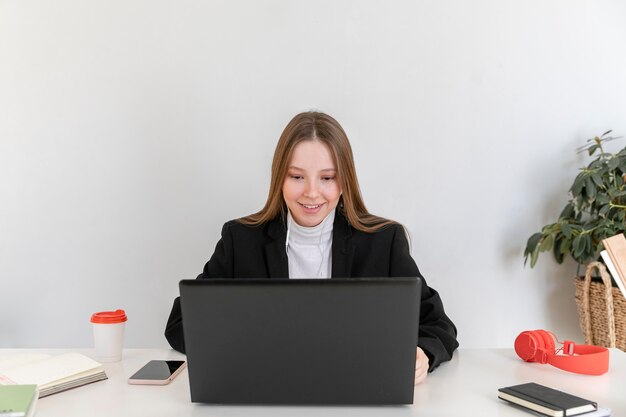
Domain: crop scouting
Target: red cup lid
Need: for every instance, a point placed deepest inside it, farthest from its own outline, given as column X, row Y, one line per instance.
column 109, row 317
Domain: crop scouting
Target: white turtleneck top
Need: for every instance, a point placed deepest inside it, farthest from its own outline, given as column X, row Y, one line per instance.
column 309, row 249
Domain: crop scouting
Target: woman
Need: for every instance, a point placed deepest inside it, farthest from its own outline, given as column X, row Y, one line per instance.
column 315, row 225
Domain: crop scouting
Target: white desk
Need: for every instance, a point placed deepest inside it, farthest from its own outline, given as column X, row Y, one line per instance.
column 467, row 385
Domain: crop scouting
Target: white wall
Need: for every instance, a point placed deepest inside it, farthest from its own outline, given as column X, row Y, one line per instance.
column 131, row 130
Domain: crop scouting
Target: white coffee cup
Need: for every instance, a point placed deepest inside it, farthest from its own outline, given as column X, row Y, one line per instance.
column 108, row 334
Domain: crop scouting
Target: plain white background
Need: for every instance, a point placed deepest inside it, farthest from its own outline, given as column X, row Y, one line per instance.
column 130, row 131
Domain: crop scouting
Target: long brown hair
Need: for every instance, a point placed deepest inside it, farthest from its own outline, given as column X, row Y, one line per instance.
column 317, row 126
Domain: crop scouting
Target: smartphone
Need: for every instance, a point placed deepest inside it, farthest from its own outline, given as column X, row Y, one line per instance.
column 157, row 372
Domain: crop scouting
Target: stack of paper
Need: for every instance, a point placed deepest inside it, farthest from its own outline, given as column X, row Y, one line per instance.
column 51, row 374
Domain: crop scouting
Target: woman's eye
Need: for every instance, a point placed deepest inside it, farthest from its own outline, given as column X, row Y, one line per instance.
column 296, row 177
column 328, row 178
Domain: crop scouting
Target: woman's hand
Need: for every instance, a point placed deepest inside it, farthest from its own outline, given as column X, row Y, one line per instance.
column 421, row 366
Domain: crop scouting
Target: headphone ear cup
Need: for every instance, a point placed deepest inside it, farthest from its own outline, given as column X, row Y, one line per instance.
column 527, row 344
column 548, row 340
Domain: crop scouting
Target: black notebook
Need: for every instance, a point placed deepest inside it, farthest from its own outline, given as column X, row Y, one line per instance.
column 547, row 401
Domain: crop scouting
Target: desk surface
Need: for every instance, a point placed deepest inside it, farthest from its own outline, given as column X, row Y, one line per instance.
column 467, row 385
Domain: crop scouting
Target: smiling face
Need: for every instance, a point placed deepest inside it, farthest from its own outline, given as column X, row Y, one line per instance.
column 310, row 189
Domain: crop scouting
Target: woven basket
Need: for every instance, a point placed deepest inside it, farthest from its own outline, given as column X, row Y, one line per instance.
column 601, row 309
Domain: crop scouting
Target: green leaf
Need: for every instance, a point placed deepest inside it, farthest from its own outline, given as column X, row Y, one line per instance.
column 568, row 210
column 592, row 149
column 578, row 185
column 604, row 210
column 588, row 244
column 597, row 179
column 602, row 199
column 576, row 227
column 532, row 243
column 590, row 188
column 565, row 246
column 578, row 247
column 533, row 257
column 532, row 249
column 596, row 164
column 566, row 230
column 557, row 252
column 546, row 243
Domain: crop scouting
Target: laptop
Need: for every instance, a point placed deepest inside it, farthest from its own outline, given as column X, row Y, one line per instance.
column 305, row 341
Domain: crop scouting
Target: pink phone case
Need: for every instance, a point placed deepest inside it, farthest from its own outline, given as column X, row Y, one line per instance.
column 158, row 381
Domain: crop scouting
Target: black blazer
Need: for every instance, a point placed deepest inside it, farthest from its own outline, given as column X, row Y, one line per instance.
column 259, row 252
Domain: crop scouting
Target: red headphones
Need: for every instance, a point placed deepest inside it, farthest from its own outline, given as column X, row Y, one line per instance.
column 539, row 346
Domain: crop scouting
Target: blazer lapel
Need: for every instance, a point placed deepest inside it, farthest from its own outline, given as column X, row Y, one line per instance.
column 275, row 254
column 343, row 249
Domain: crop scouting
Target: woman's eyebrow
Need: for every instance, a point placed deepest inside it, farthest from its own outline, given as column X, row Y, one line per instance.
column 321, row 170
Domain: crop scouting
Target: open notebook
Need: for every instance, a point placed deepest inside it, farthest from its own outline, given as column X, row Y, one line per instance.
column 51, row 374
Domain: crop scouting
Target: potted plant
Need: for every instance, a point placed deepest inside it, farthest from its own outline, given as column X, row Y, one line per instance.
column 596, row 209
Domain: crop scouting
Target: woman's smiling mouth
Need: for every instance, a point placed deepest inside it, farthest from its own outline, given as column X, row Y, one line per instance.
column 311, row 206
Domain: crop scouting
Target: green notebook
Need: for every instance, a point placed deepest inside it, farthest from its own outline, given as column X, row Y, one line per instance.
column 17, row 400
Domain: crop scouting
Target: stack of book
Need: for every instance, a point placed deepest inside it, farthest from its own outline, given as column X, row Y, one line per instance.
column 18, row 400
column 51, row 374
column 614, row 257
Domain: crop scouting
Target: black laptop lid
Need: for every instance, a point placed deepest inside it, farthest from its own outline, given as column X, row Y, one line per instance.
column 328, row 341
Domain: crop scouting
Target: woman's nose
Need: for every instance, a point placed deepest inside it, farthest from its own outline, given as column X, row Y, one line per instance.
column 311, row 190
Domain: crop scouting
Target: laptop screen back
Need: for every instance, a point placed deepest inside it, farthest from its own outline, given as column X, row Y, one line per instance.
column 335, row 341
